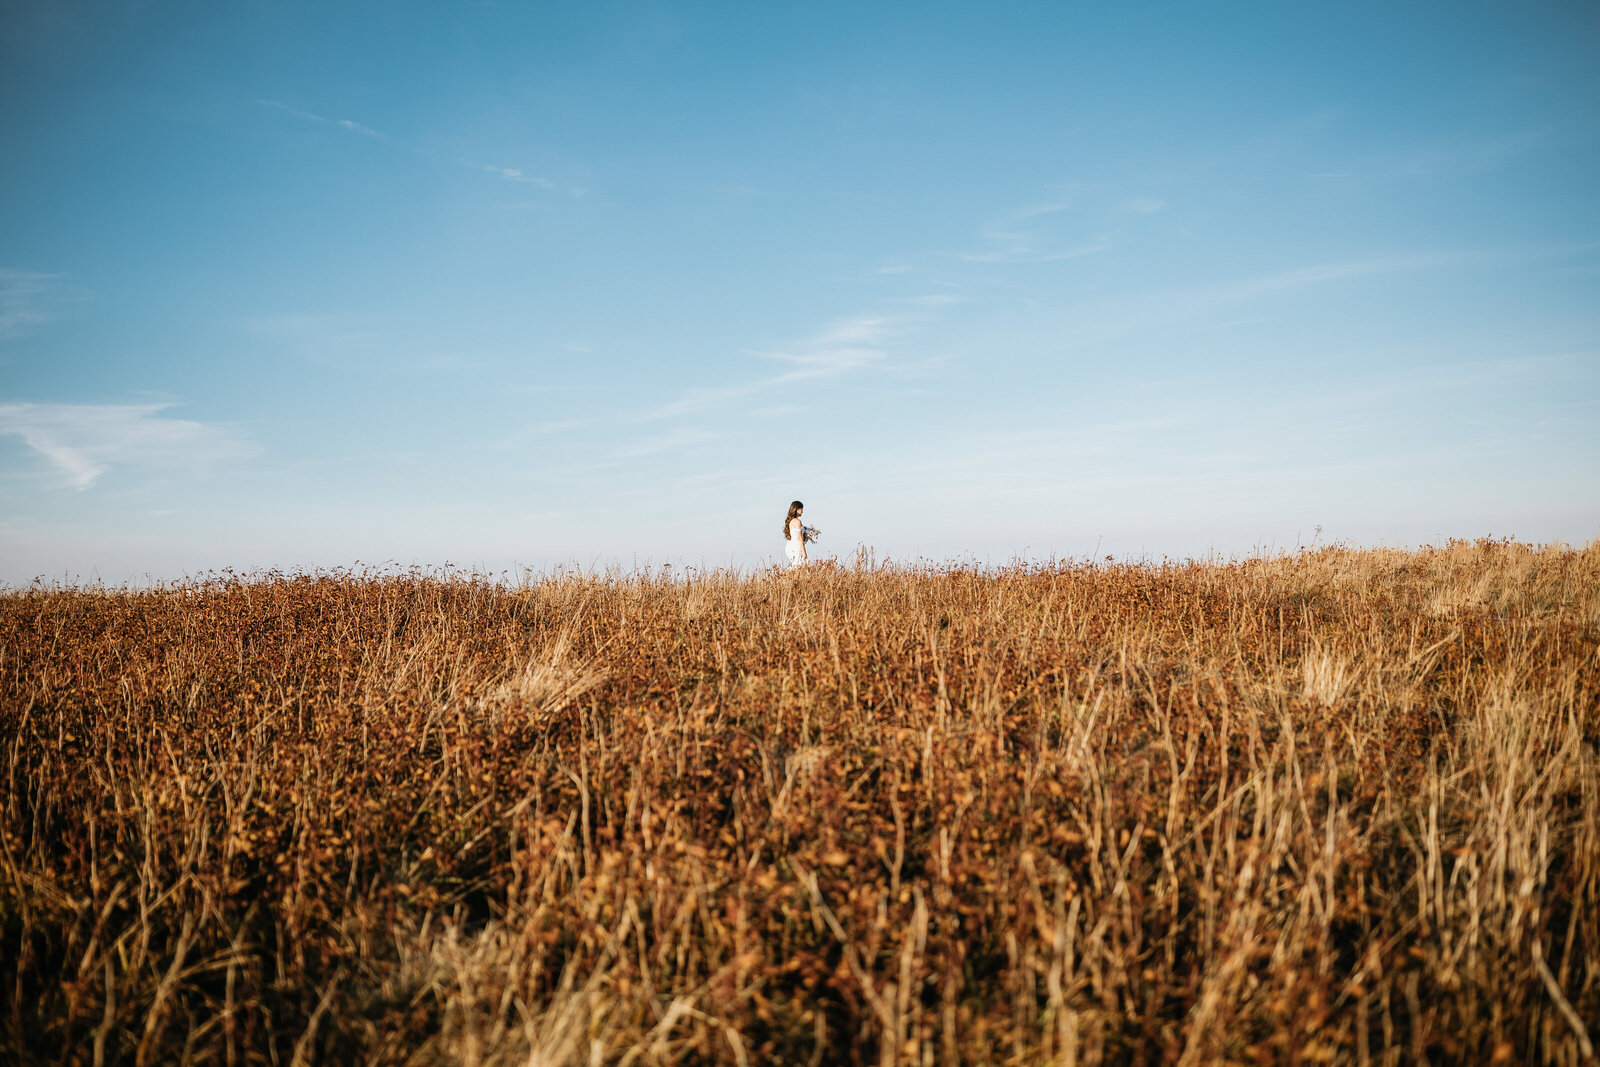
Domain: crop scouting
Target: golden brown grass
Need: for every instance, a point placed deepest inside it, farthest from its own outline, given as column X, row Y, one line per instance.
column 1335, row 807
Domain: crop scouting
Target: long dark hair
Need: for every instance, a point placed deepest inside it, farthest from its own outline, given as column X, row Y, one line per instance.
column 794, row 509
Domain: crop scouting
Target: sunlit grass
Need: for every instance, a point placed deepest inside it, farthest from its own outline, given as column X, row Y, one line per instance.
column 1339, row 806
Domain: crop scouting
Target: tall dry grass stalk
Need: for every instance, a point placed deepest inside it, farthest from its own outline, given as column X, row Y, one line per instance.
column 1336, row 807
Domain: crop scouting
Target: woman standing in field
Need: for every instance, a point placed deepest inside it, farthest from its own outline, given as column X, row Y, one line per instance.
column 796, row 534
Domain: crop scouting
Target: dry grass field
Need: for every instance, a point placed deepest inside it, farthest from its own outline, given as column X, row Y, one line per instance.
column 1336, row 807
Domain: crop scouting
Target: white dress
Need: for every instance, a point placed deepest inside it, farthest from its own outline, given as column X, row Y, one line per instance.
column 794, row 546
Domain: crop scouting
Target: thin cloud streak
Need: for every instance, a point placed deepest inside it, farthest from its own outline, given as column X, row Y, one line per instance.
column 349, row 125
column 1323, row 273
column 1011, row 241
column 30, row 301
column 1167, row 308
column 325, row 337
column 83, row 442
column 1318, row 274
column 1019, row 247
column 1465, row 155
column 840, row 348
column 512, row 174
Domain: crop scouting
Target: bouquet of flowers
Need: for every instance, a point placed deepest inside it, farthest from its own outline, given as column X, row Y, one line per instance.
column 810, row 533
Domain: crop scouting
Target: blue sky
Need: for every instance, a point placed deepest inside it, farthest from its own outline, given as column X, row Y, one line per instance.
column 520, row 284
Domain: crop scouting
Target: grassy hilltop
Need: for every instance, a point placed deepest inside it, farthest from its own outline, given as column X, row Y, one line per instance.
column 1338, row 807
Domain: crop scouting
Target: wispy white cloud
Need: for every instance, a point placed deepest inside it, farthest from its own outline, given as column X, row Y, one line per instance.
column 1018, row 249
column 842, row 347
column 700, row 399
column 839, row 348
column 1436, row 157
column 82, row 442
column 1467, row 154
column 1315, row 274
column 450, row 362
column 1075, row 220
column 1197, row 306
column 512, row 174
column 30, row 301
column 349, row 125
column 673, row 440
column 552, row 426
column 1018, row 237
column 1142, row 205
column 322, row 336
column 858, row 329
column 356, row 127
column 1205, row 298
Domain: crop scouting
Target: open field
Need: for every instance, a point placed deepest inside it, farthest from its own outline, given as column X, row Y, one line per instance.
column 1338, row 807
